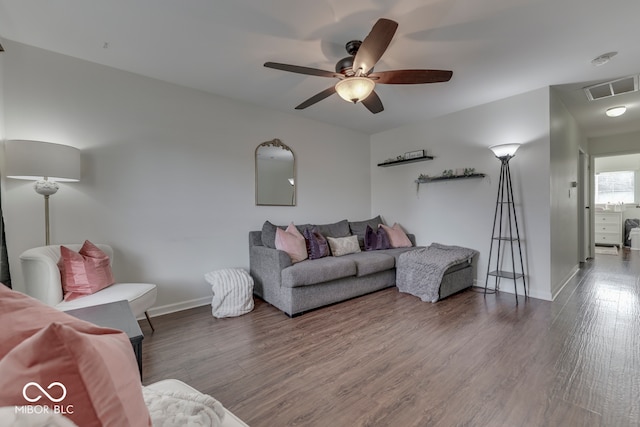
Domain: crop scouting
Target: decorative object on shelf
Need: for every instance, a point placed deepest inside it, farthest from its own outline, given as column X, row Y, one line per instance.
column 447, row 173
column 414, row 154
column 402, row 159
column 469, row 171
column 505, row 224
column 44, row 163
column 422, row 178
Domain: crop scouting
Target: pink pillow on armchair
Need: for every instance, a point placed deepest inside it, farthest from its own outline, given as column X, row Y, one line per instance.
column 84, row 272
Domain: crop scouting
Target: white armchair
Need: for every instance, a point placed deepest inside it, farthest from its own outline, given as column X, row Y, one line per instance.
column 42, row 281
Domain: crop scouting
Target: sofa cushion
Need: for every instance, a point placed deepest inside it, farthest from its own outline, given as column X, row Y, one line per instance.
column 372, row 262
column 337, row 229
column 343, row 245
column 396, row 252
column 269, row 234
column 359, row 228
column 315, row 271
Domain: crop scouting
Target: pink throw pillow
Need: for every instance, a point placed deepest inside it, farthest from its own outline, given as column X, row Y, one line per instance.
column 292, row 242
column 21, row 316
column 91, row 376
column 84, row 272
column 397, row 236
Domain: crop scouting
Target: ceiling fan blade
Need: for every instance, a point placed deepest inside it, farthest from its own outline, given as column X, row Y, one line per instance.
column 374, row 45
column 411, row 77
column 302, row 70
column 373, row 103
column 317, row 97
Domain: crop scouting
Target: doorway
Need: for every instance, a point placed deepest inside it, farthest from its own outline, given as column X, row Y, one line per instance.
column 584, row 206
column 616, row 192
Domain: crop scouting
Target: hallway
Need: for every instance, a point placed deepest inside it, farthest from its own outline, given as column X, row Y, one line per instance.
column 598, row 317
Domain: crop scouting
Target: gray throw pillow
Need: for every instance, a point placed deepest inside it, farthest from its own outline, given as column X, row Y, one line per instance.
column 269, row 234
column 337, row 229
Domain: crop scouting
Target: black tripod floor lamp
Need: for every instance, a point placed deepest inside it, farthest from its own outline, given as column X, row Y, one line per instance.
column 506, row 234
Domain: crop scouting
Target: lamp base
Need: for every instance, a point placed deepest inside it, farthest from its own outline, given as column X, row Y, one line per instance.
column 46, row 188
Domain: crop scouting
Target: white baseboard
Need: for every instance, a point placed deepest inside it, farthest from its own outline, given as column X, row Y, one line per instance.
column 546, row 296
column 573, row 272
column 178, row 306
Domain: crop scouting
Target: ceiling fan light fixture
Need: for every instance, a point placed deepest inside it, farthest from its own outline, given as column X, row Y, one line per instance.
column 355, row 89
column 616, row 111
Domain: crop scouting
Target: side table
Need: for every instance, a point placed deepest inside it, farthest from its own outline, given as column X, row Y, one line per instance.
column 115, row 315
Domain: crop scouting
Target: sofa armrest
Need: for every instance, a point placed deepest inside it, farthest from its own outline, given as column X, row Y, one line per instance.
column 266, row 265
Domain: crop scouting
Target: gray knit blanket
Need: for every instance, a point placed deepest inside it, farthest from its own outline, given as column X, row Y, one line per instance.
column 420, row 271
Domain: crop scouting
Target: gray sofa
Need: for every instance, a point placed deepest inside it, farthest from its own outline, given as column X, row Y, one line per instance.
column 297, row 288
column 306, row 285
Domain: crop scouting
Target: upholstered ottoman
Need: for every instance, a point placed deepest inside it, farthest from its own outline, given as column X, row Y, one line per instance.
column 435, row 272
column 232, row 292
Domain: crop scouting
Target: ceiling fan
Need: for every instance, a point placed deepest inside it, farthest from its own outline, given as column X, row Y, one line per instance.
column 355, row 72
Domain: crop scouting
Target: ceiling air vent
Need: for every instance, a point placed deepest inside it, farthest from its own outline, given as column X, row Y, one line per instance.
column 612, row 88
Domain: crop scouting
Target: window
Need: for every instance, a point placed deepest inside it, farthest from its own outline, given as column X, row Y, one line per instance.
column 615, row 187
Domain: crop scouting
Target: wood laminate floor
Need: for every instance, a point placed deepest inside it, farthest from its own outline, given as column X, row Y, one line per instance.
column 388, row 359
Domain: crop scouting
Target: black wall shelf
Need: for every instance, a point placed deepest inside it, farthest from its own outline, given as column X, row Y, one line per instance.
column 449, row 178
column 403, row 161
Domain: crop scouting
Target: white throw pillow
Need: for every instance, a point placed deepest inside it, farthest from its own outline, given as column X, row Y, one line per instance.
column 232, row 292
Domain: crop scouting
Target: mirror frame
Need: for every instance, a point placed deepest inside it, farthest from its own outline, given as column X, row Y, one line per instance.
column 276, row 143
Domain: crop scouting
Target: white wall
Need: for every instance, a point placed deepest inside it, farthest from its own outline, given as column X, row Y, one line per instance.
column 566, row 140
column 625, row 143
column 167, row 173
column 461, row 212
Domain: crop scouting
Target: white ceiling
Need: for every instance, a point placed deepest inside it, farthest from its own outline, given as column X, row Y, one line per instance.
column 496, row 48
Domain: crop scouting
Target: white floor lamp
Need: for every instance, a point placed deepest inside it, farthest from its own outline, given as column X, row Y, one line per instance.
column 44, row 163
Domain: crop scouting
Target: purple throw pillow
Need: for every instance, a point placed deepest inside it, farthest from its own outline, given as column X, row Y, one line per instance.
column 317, row 246
column 376, row 240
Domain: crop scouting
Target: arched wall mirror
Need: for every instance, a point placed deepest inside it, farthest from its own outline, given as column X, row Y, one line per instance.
column 275, row 174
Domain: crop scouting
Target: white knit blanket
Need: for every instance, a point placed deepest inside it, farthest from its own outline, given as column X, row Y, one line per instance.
column 178, row 409
column 232, row 292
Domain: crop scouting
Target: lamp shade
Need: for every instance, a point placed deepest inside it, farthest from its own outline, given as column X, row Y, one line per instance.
column 35, row 160
column 355, row 89
column 504, row 150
